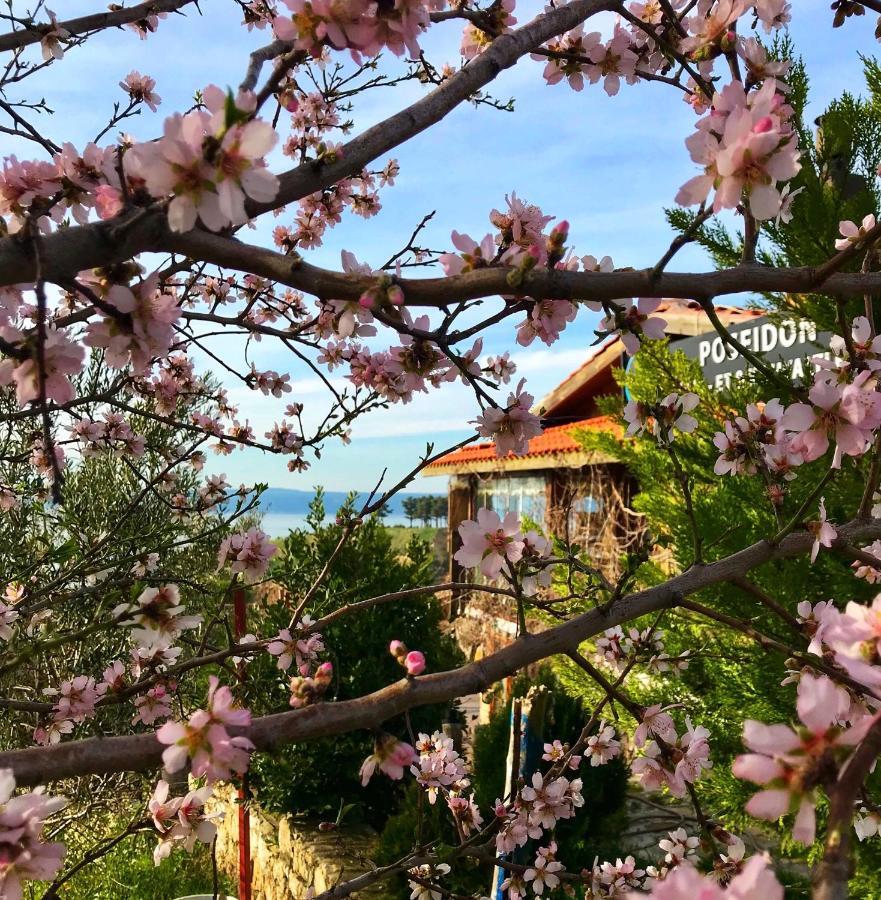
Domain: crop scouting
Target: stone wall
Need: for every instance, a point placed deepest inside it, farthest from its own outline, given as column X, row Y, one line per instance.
column 289, row 856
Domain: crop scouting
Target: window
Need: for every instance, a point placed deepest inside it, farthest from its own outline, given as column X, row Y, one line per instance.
column 522, row 494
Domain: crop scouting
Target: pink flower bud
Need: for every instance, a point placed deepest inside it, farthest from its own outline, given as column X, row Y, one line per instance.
column 324, row 672
column 764, row 125
column 108, row 201
column 395, row 295
column 367, row 299
column 288, row 100
column 560, row 230
column 398, row 649
column 414, row 662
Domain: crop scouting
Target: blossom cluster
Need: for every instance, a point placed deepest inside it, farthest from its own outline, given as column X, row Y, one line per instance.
column 669, row 759
column 181, row 821
column 545, row 800
column 362, row 27
column 745, row 142
column 619, row 650
column 25, row 856
column 156, row 620
column 747, row 147
column 248, row 554
column 313, row 678
column 204, row 740
column 843, row 409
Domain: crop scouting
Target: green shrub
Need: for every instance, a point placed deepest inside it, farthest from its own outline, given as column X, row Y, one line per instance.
column 594, row 831
column 317, row 777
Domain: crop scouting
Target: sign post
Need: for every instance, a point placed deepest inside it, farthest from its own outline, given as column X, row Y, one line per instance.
column 780, row 343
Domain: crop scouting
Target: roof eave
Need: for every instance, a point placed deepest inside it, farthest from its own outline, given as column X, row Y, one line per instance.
column 573, row 459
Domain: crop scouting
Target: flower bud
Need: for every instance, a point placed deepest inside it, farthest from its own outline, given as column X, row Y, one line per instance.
column 560, row 231
column 414, row 662
column 324, row 672
column 395, row 295
column 398, row 649
column 287, row 100
column 531, row 258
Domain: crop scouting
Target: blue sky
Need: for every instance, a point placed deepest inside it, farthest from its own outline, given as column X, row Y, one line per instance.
column 608, row 165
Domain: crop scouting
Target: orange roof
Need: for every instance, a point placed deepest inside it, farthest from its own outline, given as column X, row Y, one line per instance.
column 552, row 442
column 576, row 395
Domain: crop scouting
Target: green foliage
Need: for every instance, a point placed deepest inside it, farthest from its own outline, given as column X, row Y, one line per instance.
column 593, row 832
column 426, row 509
column 415, row 822
column 730, row 677
column 315, row 778
column 127, row 873
column 840, row 152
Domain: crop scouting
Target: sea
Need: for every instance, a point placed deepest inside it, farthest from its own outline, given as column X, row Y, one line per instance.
column 279, row 524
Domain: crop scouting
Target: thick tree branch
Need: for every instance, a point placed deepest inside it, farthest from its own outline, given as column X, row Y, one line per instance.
column 503, row 53
column 95, row 22
column 138, row 752
column 831, row 874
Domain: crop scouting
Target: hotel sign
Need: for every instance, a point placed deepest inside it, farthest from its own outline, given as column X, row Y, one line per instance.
column 787, row 342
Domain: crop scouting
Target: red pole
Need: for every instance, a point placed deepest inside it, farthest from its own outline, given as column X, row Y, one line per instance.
column 244, row 814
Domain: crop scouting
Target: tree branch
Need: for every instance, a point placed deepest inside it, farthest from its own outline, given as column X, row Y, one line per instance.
column 138, row 752
column 95, row 22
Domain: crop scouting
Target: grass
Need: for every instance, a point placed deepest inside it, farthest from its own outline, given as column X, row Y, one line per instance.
column 401, row 534
column 128, row 873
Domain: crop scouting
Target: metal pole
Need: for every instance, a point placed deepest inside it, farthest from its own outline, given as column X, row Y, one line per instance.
column 240, row 629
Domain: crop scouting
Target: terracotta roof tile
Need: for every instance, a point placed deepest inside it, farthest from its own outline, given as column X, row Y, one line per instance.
column 557, row 439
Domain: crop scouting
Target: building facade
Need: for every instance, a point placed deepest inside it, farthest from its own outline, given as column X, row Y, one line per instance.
column 581, row 496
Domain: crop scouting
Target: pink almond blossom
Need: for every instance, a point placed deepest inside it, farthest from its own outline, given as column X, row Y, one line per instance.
column 787, row 760
column 62, row 358
column 853, row 234
column 633, row 322
column 824, row 532
column 390, row 756
column 755, row 881
column 248, row 553
column 512, row 427
column 848, row 414
column 24, row 856
column 204, row 740
column 490, row 542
